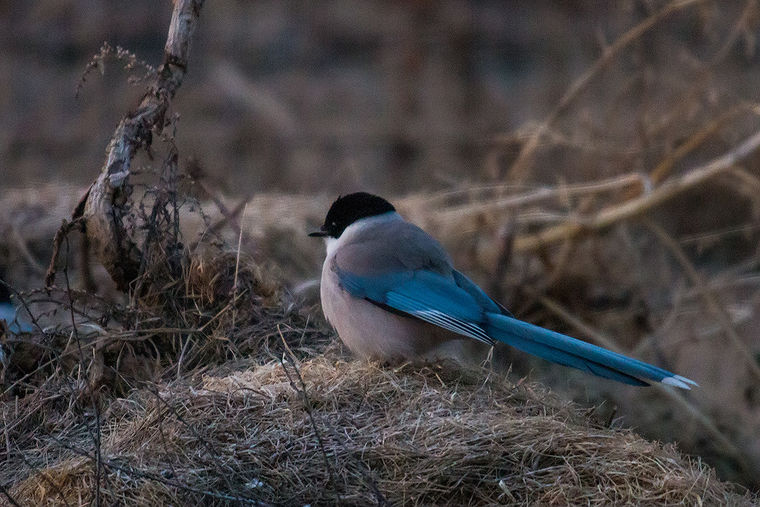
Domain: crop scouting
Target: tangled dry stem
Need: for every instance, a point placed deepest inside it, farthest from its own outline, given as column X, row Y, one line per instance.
column 106, row 206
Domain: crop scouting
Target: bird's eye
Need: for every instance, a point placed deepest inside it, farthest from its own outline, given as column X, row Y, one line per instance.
column 334, row 224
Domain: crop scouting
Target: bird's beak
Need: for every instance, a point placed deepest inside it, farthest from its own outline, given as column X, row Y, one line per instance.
column 321, row 233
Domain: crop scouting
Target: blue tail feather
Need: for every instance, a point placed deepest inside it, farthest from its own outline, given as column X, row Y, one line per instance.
column 558, row 348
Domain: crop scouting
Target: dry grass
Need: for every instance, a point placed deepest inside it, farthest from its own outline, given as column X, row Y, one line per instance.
column 212, row 385
column 364, row 434
column 203, row 323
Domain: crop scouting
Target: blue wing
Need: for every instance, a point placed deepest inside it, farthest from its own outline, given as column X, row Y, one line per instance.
column 423, row 294
column 481, row 297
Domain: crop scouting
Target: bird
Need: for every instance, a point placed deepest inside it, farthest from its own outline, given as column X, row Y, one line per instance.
column 17, row 323
column 391, row 292
column 12, row 322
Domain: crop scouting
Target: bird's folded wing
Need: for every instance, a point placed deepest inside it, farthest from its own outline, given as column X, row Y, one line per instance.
column 477, row 293
column 425, row 295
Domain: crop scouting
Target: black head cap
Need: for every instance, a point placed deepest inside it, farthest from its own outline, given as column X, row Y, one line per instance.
column 350, row 208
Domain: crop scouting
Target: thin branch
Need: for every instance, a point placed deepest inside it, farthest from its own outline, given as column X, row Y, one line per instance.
column 61, row 234
column 637, row 207
column 237, row 269
column 720, row 313
column 198, row 176
column 94, row 378
column 521, row 165
column 662, row 169
column 308, row 406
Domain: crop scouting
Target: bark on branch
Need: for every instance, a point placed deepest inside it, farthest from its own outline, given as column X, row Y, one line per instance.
column 106, row 203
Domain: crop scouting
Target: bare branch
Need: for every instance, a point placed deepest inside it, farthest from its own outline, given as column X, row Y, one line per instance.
column 636, row 207
column 519, row 169
column 107, row 201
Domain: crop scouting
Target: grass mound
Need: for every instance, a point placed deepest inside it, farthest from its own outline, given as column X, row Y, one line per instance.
column 325, row 431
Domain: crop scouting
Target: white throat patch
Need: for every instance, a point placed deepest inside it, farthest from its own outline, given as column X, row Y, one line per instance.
column 332, row 244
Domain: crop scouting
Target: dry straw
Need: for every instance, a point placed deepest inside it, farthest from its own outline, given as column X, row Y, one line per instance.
column 363, row 434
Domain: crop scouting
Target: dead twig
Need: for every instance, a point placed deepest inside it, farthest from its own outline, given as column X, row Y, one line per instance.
column 196, row 172
column 218, row 225
column 129, row 59
column 720, row 313
column 662, row 170
column 308, row 406
column 524, row 159
column 637, row 207
column 107, row 201
column 538, row 195
column 60, row 235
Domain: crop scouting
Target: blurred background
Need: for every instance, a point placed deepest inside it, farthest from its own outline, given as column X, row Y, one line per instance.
column 489, row 123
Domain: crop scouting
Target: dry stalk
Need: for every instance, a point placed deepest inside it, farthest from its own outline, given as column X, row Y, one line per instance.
column 524, row 159
column 742, row 25
column 662, row 169
column 237, row 268
column 636, row 207
column 724, row 319
column 228, row 217
column 196, row 172
column 532, row 197
column 106, row 203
